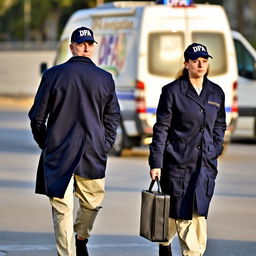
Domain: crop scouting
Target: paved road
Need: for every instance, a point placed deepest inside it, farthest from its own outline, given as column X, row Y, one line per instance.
column 25, row 218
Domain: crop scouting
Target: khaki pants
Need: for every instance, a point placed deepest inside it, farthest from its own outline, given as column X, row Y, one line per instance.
column 192, row 235
column 90, row 193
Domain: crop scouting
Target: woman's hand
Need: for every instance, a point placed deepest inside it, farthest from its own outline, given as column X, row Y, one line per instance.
column 155, row 173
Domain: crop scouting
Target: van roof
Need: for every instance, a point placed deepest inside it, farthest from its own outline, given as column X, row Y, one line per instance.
column 128, row 8
column 126, row 4
column 121, row 7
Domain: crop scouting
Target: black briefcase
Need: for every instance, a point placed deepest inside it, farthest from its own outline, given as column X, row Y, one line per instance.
column 155, row 208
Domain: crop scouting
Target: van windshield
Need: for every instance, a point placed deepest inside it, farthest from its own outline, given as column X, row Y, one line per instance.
column 165, row 52
column 246, row 62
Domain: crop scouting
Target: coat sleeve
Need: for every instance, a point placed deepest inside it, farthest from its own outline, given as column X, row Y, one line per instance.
column 39, row 112
column 111, row 117
column 160, row 129
column 220, row 126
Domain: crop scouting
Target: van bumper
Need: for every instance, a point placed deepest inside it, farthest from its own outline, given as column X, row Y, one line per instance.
column 247, row 111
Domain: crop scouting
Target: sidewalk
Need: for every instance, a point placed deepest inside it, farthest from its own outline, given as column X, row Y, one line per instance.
column 16, row 103
column 99, row 245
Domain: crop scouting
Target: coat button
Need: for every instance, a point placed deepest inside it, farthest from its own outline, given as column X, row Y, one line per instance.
column 201, row 129
column 202, row 110
column 198, row 146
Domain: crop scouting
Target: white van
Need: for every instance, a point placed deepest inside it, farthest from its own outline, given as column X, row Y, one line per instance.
column 246, row 58
column 142, row 44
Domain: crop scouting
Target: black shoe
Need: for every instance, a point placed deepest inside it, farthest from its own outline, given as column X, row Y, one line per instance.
column 81, row 248
column 165, row 250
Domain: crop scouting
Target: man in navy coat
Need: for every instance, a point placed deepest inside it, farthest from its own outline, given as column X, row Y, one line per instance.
column 74, row 120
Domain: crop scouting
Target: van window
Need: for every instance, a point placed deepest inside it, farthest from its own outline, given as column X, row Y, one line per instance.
column 246, row 62
column 63, row 52
column 216, row 47
column 165, row 53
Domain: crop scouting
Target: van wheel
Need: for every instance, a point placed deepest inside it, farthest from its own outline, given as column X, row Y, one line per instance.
column 119, row 142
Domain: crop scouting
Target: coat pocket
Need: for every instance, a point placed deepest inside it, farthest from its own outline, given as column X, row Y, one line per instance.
column 179, row 147
column 212, row 152
column 177, row 187
column 210, row 186
column 211, row 148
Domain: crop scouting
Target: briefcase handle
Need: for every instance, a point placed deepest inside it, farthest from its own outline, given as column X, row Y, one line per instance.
column 158, row 185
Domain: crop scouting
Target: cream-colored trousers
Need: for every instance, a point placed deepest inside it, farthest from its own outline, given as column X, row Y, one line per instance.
column 192, row 235
column 90, row 193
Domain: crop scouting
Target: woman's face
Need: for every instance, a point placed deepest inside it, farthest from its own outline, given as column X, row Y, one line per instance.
column 197, row 68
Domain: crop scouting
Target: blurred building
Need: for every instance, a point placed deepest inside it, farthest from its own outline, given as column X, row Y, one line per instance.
column 242, row 17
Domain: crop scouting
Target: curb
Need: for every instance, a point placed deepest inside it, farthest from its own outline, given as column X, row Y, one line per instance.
column 16, row 103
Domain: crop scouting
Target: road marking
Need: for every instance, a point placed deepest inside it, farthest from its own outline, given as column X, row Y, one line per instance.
column 45, row 247
column 12, row 248
column 118, row 245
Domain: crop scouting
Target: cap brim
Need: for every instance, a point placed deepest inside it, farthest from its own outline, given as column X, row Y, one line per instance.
column 199, row 55
column 85, row 39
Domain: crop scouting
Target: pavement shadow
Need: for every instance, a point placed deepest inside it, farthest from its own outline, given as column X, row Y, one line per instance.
column 5, row 183
column 17, row 141
column 217, row 247
column 15, row 133
column 43, row 244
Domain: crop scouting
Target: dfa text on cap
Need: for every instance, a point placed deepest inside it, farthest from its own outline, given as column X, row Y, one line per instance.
column 195, row 51
column 81, row 35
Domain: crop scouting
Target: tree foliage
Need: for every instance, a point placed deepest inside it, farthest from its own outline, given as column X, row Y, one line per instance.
column 12, row 23
column 17, row 24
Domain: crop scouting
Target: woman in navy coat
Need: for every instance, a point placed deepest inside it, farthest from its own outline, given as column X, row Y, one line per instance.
column 187, row 140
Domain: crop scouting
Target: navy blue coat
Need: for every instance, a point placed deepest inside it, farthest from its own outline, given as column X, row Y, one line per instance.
column 187, row 139
column 73, row 119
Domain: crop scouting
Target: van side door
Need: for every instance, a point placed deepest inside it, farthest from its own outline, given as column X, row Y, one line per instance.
column 246, row 61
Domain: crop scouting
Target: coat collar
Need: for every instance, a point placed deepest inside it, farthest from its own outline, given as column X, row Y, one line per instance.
column 80, row 59
column 188, row 90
